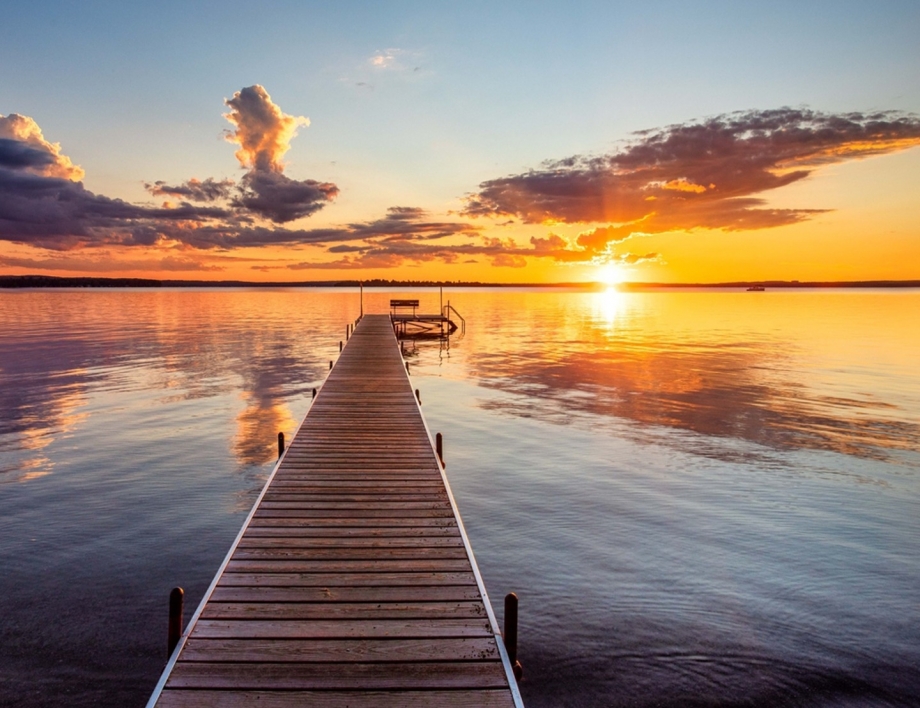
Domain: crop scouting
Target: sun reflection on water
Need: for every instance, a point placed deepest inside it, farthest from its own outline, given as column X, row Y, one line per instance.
column 609, row 305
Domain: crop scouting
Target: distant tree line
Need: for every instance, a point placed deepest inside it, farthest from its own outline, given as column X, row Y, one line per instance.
column 51, row 281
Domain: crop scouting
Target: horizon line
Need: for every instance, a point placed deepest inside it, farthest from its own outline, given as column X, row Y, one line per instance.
column 50, row 281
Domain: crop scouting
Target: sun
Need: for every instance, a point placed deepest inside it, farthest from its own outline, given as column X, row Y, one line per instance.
column 610, row 274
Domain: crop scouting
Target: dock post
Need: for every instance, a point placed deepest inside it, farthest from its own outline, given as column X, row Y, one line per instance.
column 418, row 396
column 510, row 634
column 407, row 367
column 330, row 365
column 340, row 346
column 314, row 393
column 280, row 444
column 439, row 447
column 176, row 598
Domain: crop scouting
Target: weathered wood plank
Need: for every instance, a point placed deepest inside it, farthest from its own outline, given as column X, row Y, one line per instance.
column 346, row 566
column 381, row 505
column 353, row 513
column 345, row 579
column 349, row 554
column 336, row 699
column 314, row 481
column 400, row 593
column 342, row 610
column 386, row 676
column 380, row 495
column 331, row 522
column 341, row 650
column 340, row 629
column 250, row 541
column 358, row 532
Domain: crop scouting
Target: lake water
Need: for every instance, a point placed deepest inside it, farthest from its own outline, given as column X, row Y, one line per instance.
column 702, row 498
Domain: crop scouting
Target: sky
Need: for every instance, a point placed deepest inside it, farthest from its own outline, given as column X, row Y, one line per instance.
column 498, row 142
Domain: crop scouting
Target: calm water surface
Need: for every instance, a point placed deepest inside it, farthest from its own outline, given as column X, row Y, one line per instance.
column 702, row 498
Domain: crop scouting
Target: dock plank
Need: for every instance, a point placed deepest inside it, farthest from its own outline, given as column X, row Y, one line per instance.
column 318, row 676
column 304, row 594
column 341, row 650
column 337, row 699
column 255, row 628
column 345, row 579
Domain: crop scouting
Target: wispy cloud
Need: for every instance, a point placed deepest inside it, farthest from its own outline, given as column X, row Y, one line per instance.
column 709, row 174
column 208, row 190
column 394, row 59
column 99, row 263
column 414, row 246
column 399, row 224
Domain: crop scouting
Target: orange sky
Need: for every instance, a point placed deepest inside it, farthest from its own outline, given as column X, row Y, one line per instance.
column 453, row 160
column 785, row 194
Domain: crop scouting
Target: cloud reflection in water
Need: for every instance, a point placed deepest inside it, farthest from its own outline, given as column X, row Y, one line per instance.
column 67, row 356
column 680, row 369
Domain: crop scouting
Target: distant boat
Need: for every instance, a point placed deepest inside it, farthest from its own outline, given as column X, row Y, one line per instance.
column 756, row 289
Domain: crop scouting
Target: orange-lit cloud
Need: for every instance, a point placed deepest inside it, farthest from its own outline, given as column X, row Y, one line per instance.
column 263, row 131
column 23, row 145
column 707, row 174
column 682, row 185
column 416, row 241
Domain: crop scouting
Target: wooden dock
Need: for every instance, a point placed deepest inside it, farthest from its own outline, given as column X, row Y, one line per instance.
column 352, row 582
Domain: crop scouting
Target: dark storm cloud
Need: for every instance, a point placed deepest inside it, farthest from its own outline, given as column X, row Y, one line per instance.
column 281, row 199
column 705, row 174
column 16, row 154
column 58, row 214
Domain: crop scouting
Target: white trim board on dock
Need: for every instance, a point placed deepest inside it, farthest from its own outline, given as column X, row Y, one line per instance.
column 352, row 582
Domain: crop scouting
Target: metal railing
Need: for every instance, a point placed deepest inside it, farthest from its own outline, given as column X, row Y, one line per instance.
column 448, row 309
